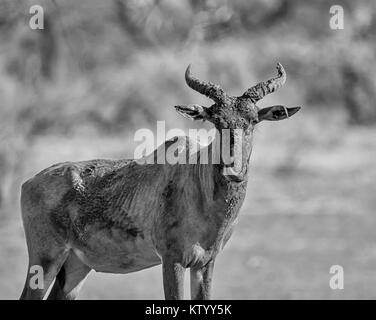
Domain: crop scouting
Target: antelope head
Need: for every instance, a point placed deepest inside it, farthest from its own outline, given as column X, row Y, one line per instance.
column 231, row 113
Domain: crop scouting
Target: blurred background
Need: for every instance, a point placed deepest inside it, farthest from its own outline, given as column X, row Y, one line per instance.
column 100, row 70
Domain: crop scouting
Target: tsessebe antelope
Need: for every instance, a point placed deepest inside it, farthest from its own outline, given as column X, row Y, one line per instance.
column 121, row 216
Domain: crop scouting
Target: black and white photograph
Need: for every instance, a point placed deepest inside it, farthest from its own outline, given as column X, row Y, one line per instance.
column 187, row 150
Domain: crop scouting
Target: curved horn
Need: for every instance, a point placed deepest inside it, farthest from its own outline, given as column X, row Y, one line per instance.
column 211, row 90
column 261, row 89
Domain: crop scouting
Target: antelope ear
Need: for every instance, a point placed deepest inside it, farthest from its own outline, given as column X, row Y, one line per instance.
column 192, row 111
column 275, row 113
